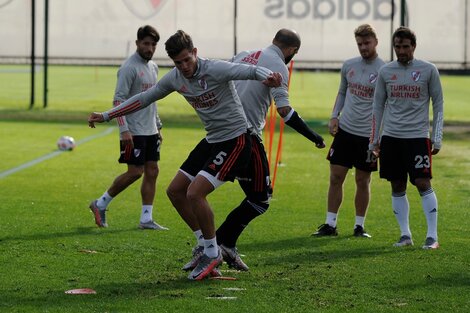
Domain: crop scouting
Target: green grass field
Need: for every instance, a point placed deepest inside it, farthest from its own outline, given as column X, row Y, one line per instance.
column 47, row 230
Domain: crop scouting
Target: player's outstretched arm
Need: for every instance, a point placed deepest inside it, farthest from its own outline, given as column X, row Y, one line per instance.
column 293, row 119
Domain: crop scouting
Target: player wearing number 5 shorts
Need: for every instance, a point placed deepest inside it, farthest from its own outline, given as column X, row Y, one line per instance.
column 402, row 98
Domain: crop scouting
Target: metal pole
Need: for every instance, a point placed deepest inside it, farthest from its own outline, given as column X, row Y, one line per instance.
column 392, row 17
column 46, row 55
column 465, row 51
column 403, row 13
column 234, row 27
column 33, row 56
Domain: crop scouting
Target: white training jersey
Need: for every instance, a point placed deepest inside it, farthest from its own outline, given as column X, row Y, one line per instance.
column 135, row 76
column 401, row 102
column 210, row 92
column 256, row 97
column 353, row 105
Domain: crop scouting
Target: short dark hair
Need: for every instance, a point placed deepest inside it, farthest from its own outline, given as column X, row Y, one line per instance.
column 286, row 38
column 148, row 31
column 403, row 32
column 177, row 43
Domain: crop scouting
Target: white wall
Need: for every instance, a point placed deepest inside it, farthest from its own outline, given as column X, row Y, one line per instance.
column 107, row 28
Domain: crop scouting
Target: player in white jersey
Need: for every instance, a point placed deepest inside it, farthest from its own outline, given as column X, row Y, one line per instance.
column 256, row 99
column 350, row 124
column 401, row 112
column 140, row 137
column 208, row 87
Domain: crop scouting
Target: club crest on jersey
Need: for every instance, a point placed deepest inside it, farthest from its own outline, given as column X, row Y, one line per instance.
column 144, row 9
column 372, row 78
column 415, row 75
column 136, row 152
column 202, row 82
column 351, row 73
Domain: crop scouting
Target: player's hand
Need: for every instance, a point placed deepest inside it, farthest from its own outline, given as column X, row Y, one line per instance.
column 273, row 80
column 376, row 151
column 333, row 126
column 95, row 117
column 159, row 136
column 126, row 138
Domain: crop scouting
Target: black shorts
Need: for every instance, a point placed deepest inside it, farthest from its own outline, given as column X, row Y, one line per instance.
column 402, row 157
column 255, row 180
column 350, row 150
column 146, row 148
column 224, row 160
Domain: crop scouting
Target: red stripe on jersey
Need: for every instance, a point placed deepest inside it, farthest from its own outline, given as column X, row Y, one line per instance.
column 258, row 169
column 120, row 121
column 372, row 134
column 232, row 158
column 125, row 110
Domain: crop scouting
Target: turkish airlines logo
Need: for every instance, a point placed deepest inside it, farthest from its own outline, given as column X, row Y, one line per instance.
column 144, row 9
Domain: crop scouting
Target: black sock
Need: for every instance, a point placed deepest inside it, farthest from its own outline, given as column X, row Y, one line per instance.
column 228, row 233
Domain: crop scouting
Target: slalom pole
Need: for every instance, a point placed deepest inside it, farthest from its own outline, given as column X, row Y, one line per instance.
column 272, row 128
column 281, row 132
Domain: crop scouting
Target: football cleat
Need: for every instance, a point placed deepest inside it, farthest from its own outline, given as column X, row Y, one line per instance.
column 359, row 231
column 325, row 230
column 430, row 243
column 403, row 241
column 205, row 267
column 152, row 225
column 197, row 252
column 232, row 258
column 100, row 215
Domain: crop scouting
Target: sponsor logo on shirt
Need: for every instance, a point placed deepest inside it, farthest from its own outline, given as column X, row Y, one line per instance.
column 206, row 100
column 405, row 91
column 252, row 58
column 361, row 90
column 146, row 86
column 415, row 75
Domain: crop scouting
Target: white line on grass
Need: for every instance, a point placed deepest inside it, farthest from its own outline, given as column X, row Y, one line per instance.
column 52, row 154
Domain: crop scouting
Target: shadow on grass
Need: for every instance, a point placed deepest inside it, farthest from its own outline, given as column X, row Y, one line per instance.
column 79, row 231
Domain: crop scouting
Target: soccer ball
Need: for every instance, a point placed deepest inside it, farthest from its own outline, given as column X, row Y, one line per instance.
column 66, row 143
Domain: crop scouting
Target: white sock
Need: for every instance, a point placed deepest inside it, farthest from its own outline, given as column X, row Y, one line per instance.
column 331, row 219
column 199, row 237
column 360, row 220
column 104, row 201
column 401, row 209
column 429, row 203
column 210, row 248
column 146, row 215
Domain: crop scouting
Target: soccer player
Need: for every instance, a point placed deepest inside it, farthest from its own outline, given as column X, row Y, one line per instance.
column 140, row 137
column 207, row 85
column 256, row 99
column 401, row 111
column 350, row 125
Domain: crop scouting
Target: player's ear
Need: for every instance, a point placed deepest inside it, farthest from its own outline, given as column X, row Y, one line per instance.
column 195, row 51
